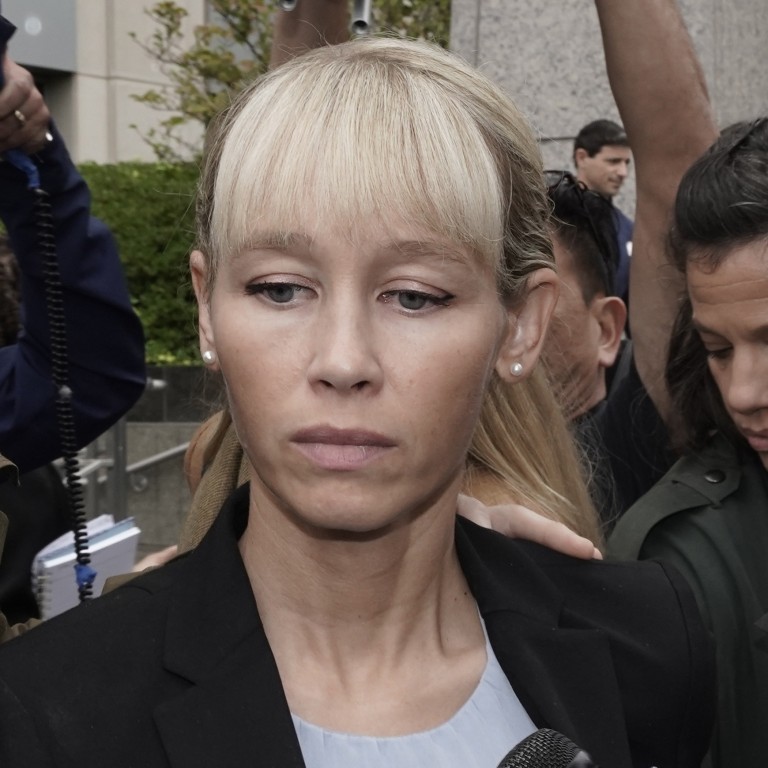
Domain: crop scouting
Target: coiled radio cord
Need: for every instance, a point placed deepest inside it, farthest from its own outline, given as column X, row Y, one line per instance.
column 84, row 574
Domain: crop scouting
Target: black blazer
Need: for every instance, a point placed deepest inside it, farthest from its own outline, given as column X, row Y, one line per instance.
column 174, row 668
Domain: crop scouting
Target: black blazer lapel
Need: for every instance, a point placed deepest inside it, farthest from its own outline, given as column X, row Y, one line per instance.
column 563, row 676
column 240, row 705
column 564, row 679
column 215, row 642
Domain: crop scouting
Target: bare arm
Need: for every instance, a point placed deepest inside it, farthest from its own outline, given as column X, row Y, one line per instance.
column 311, row 24
column 662, row 98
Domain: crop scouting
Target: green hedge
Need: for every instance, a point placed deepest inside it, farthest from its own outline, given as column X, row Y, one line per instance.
column 150, row 209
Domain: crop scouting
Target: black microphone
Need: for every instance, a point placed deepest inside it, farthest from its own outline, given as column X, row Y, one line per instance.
column 547, row 749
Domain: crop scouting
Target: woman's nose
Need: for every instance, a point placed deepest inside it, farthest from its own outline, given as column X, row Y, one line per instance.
column 344, row 355
column 746, row 390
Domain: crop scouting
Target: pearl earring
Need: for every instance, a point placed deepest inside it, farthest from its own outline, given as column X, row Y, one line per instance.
column 208, row 357
column 516, row 369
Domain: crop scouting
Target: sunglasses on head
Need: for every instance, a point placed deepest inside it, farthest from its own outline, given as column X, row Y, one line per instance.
column 574, row 202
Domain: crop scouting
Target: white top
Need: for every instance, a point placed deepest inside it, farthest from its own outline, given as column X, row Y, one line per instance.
column 479, row 735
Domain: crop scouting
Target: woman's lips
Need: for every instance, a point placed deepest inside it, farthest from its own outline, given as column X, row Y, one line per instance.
column 758, row 442
column 341, row 449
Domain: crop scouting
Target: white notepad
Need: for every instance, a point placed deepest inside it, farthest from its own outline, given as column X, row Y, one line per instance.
column 112, row 547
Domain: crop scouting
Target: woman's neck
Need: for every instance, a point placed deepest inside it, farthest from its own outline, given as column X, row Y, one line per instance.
column 360, row 578
column 377, row 619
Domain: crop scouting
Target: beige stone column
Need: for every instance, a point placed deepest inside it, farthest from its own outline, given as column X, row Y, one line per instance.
column 547, row 54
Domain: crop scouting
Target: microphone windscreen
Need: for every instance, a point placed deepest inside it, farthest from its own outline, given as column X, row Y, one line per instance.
column 547, row 749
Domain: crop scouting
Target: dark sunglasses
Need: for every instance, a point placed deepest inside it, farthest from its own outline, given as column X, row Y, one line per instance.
column 743, row 133
column 573, row 202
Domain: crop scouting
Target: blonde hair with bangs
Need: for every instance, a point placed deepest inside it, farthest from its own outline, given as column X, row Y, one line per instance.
column 405, row 130
column 385, row 128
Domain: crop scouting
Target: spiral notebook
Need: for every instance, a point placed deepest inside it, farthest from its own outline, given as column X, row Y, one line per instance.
column 112, row 547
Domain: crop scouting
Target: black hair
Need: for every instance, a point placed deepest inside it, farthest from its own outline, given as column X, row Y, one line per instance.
column 585, row 223
column 598, row 134
column 722, row 203
column 722, row 200
column 697, row 406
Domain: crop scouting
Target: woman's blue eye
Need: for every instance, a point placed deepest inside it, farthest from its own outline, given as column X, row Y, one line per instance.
column 413, row 300
column 279, row 293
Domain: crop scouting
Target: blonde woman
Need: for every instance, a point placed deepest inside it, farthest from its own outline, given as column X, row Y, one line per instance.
column 534, row 464
column 373, row 256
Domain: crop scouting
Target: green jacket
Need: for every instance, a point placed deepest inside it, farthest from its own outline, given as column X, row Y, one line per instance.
column 708, row 516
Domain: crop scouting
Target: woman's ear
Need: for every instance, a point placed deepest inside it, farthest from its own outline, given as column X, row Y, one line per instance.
column 528, row 323
column 198, row 268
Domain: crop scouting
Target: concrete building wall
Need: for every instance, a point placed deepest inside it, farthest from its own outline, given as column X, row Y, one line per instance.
column 548, row 56
column 90, row 67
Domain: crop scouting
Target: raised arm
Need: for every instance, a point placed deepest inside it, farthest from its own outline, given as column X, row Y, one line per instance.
column 659, row 88
column 104, row 336
column 311, row 24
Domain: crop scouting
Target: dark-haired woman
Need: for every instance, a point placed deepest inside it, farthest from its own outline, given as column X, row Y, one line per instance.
column 709, row 514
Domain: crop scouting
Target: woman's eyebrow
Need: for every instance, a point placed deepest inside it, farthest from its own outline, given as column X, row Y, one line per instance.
column 431, row 249
column 758, row 332
column 275, row 239
column 417, row 247
column 426, row 250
